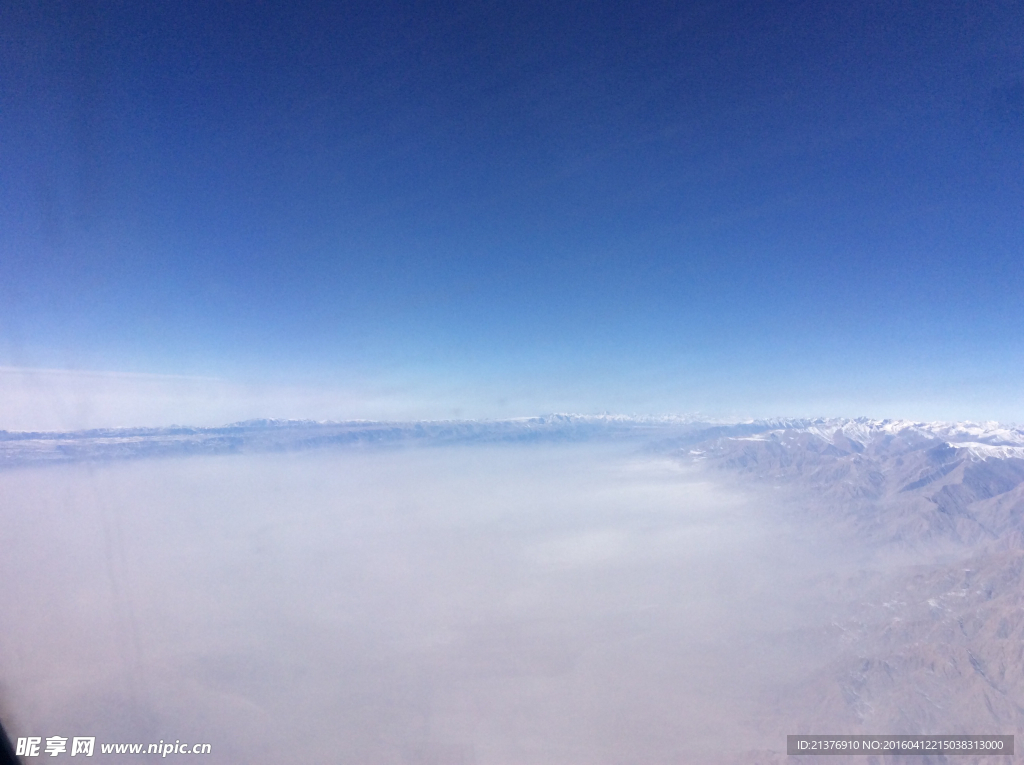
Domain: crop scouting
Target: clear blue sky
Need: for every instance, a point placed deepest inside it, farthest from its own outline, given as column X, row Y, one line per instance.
column 504, row 208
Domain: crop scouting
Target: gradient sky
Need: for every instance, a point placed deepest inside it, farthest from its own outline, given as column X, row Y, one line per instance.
column 498, row 209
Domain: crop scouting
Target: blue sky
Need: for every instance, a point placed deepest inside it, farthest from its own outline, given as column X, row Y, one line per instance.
column 495, row 209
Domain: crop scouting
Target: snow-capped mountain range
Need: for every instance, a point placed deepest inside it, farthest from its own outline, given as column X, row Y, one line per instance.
column 972, row 440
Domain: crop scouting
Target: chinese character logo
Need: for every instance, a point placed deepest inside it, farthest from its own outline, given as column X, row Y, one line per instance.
column 56, row 744
column 28, row 747
column 82, row 745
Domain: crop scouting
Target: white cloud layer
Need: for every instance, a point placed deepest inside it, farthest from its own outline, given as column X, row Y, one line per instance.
column 462, row 604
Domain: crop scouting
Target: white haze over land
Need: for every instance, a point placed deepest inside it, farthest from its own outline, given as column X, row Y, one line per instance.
column 497, row 604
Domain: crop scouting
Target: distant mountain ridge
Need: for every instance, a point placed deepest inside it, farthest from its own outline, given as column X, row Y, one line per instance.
column 18, row 448
column 663, row 432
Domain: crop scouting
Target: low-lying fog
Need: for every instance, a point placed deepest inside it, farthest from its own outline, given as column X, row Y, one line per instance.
column 500, row 604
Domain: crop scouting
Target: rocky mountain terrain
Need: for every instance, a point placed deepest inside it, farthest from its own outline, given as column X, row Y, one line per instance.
column 933, row 643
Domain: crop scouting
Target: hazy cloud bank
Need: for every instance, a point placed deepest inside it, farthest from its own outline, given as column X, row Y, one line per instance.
column 551, row 590
column 466, row 604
